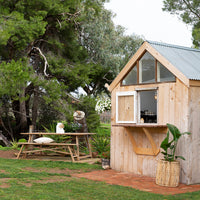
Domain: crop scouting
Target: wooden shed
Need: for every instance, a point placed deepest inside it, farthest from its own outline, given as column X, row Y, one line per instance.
column 160, row 84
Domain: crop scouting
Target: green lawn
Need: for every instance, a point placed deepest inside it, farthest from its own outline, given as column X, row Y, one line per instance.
column 38, row 180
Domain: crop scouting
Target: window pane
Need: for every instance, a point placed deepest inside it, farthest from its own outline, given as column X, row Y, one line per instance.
column 147, row 69
column 131, row 77
column 163, row 74
column 148, row 106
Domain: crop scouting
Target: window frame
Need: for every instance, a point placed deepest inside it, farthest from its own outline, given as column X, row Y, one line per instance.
column 129, row 93
column 136, row 64
column 138, row 90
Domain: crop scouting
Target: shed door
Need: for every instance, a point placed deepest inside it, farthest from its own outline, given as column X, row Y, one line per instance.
column 126, row 107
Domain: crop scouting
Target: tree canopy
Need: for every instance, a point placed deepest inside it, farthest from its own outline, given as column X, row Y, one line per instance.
column 108, row 47
column 49, row 48
column 189, row 12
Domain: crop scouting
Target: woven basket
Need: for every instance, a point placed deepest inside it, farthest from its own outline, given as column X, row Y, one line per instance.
column 168, row 173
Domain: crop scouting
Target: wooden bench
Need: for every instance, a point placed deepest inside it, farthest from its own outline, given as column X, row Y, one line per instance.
column 53, row 147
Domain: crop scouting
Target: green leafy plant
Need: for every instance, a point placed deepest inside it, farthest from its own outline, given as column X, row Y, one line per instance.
column 101, row 144
column 15, row 143
column 71, row 127
column 169, row 147
column 103, row 131
column 51, row 129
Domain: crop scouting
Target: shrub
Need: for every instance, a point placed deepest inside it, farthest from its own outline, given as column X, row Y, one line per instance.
column 101, row 144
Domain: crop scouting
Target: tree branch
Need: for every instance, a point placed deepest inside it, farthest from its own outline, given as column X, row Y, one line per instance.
column 191, row 9
column 45, row 60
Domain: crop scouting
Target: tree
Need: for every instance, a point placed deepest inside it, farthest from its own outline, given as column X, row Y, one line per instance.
column 40, row 56
column 189, row 11
column 108, row 47
column 50, row 48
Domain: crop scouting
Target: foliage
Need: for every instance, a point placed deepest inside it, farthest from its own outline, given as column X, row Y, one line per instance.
column 15, row 143
column 22, row 140
column 48, row 49
column 101, row 141
column 101, row 144
column 103, row 131
column 71, row 127
column 14, row 77
column 51, row 128
column 103, row 103
column 41, row 59
column 188, row 10
column 108, row 48
column 57, row 138
column 169, row 147
column 68, row 127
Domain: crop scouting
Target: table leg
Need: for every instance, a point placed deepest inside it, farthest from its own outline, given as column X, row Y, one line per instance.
column 88, row 145
column 77, row 146
column 71, row 153
column 18, row 155
column 30, row 139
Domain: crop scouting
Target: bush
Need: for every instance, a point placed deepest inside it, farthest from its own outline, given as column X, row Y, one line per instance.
column 103, row 131
column 101, row 144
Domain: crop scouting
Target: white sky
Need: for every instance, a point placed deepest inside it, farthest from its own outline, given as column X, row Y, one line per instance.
column 146, row 18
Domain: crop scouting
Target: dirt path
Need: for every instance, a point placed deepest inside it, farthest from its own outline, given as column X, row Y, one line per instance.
column 8, row 154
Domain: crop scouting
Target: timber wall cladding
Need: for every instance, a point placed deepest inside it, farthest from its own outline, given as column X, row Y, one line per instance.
column 172, row 108
column 194, row 144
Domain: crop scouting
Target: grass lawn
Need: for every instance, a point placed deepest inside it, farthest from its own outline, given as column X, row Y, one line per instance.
column 31, row 179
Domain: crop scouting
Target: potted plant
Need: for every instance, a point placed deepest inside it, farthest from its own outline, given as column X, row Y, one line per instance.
column 101, row 147
column 105, row 160
column 168, row 169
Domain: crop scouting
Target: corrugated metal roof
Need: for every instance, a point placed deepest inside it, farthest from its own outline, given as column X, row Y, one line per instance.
column 186, row 60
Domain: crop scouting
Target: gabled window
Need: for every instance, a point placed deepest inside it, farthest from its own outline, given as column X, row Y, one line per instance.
column 148, row 70
column 163, row 74
column 131, row 77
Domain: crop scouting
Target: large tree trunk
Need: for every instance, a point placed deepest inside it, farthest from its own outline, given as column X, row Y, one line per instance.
column 4, row 139
column 15, row 107
column 28, row 92
column 22, row 110
column 35, row 106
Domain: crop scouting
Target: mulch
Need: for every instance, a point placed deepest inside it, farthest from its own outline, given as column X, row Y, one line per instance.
column 114, row 177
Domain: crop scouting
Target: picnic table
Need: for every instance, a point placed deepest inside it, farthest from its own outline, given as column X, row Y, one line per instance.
column 66, row 148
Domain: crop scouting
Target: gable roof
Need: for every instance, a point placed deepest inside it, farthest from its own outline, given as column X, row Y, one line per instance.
column 186, row 60
column 183, row 62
